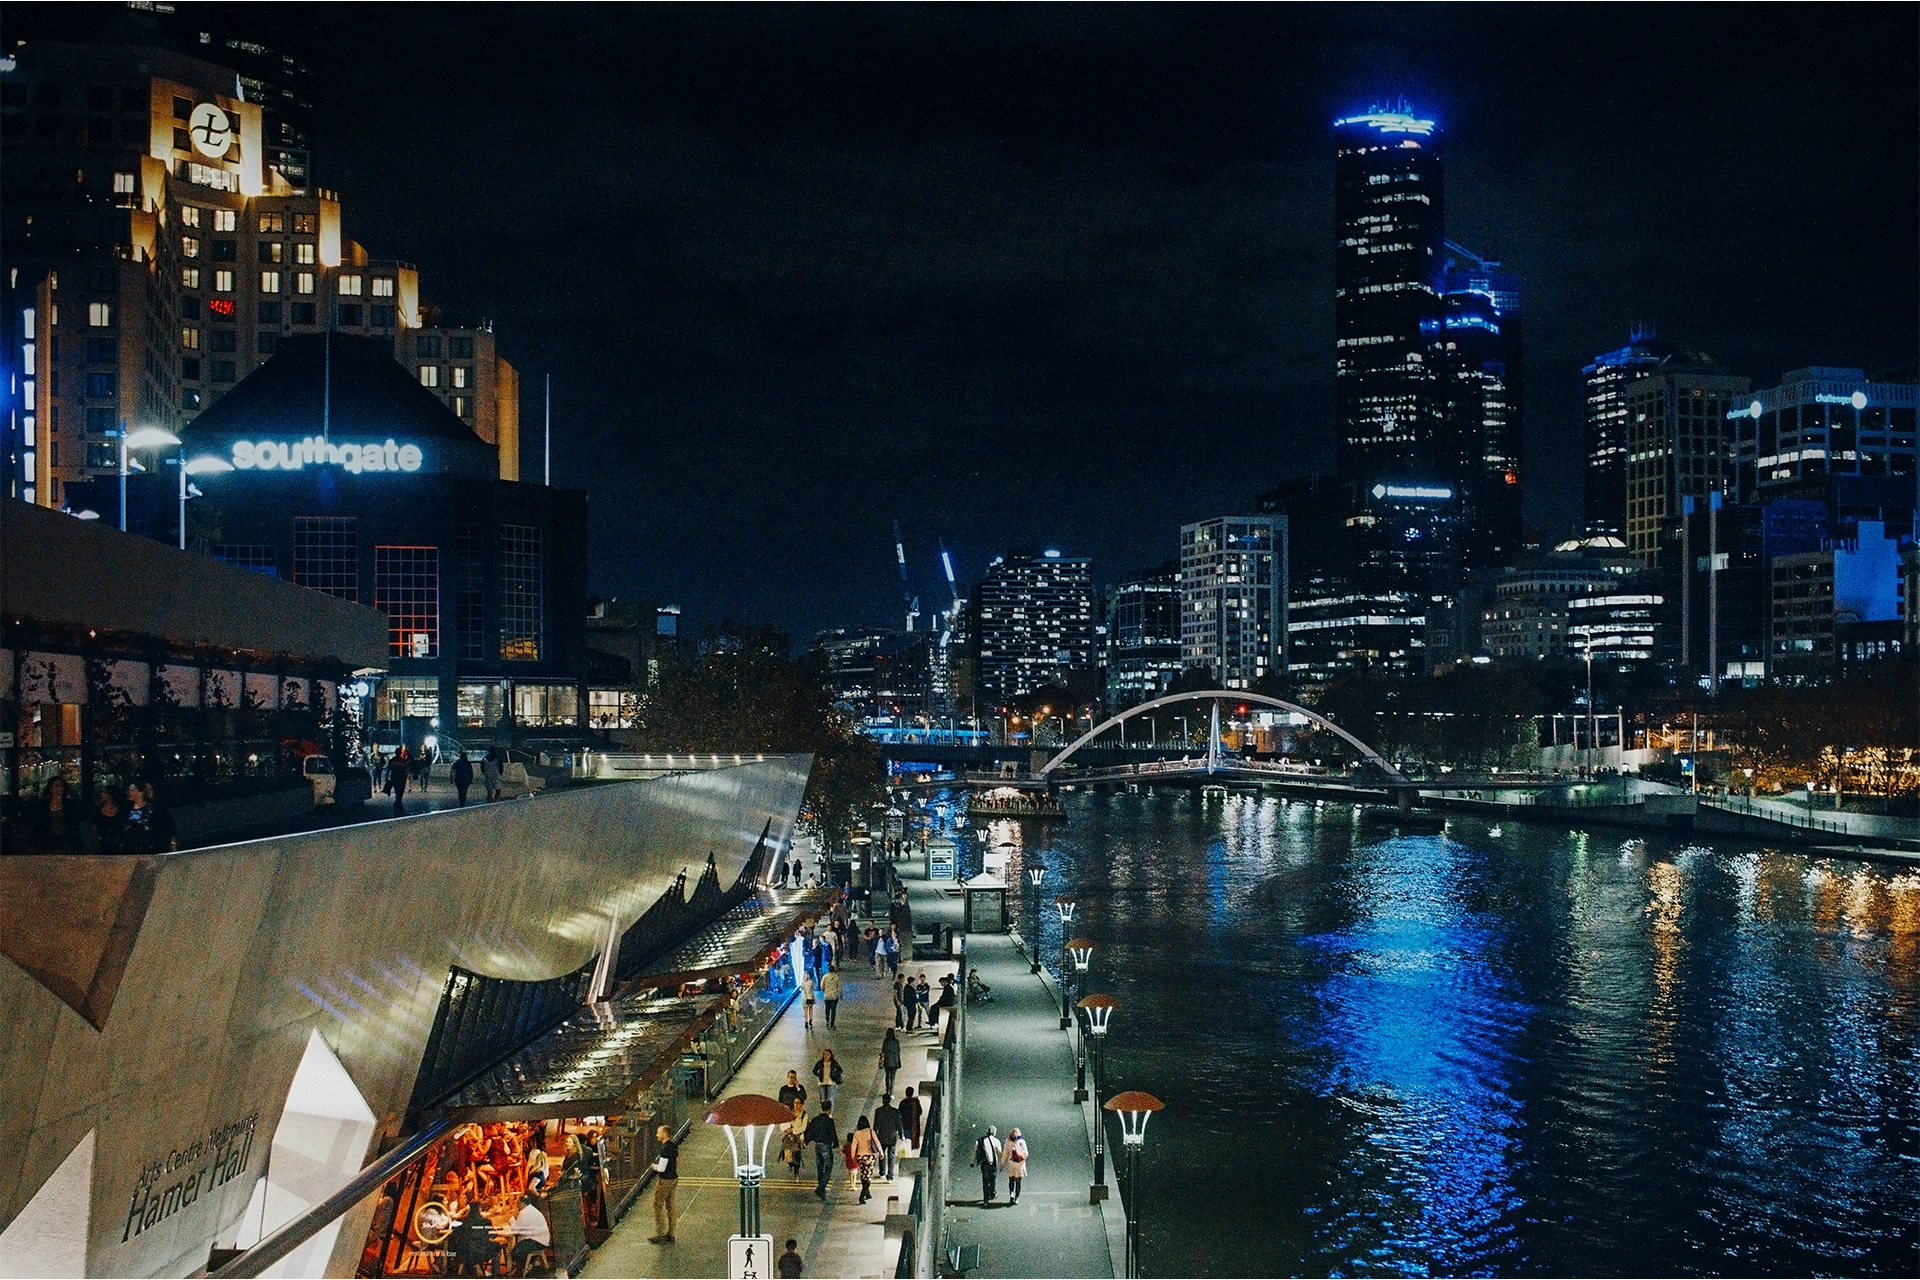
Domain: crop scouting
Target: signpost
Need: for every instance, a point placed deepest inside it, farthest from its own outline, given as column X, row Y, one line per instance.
column 749, row 1257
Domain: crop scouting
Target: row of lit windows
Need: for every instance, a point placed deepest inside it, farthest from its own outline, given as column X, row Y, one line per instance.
column 269, row 223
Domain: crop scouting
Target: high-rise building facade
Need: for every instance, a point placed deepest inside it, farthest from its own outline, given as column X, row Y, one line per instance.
column 1824, row 421
column 1233, row 597
column 1607, row 379
column 1679, row 446
column 1143, row 635
column 1389, row 264
column 155, row 259
column 1032, row 624
column 1484, row 398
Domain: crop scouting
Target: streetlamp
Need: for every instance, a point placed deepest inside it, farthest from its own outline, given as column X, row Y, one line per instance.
column 1079, row 952
column 745, row 1118
column 1134, row 1109
column 1036, row 875
column 1099, row 1010
column 205, row 466
column 1065, row 906
column 144, row 438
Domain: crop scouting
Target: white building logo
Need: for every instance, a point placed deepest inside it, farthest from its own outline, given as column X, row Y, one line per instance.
column 211, row 130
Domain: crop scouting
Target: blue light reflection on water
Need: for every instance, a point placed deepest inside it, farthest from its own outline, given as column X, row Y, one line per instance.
column 1558, row 1052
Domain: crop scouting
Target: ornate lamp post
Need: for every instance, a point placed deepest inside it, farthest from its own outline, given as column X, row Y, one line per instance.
column 750, row 1120
column 1036, row 875
column 1080, row 955
column 1099, row 1010
column 1134, row 1109
column 144, row 438
column 1065, row 906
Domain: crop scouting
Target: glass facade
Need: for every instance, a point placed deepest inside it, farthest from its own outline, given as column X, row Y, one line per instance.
column 326, row 554
column 403, row 696
column 406, row 585
column 545, row 705
column 470, row 552
column 522, row 593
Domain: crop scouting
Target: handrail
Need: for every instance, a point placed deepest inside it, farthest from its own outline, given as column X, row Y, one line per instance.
column 293, row 1234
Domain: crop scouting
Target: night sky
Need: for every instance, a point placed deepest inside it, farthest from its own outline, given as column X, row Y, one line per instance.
column 1064, row 276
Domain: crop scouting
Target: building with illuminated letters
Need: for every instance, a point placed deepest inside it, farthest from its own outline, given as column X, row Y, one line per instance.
column 158, row 251
column 351, row 478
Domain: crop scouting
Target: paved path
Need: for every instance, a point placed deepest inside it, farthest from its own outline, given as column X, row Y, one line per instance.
column 1019, row 1071
column 839, row 1238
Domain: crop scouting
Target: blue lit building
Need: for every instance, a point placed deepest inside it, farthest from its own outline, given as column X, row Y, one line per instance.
column 1484, row 399
column 1389, row 270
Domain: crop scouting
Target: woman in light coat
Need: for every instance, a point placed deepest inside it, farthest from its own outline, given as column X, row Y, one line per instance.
column 1013, row 1159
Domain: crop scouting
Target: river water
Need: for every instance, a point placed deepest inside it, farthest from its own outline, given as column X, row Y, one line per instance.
column 1550, row 1052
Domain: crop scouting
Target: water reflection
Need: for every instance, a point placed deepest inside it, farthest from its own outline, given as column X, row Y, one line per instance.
column 1559, row 1052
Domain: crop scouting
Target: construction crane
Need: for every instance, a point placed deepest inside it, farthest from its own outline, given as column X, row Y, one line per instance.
column 906, row 591
column 951, row 613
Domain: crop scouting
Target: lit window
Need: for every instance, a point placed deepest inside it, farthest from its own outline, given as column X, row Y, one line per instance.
column 462, row 406
column 223, row 281
column 383, row 286
column 303, row 225
column 100, row 314
column 189, row 277
column 272, row 251
column 269, row 282
column 123, row 184
column 522, row 592
column 189, row 215
column 459, row 375
column 350, row 286
column 225, row 220
column 190, row 337
column 303, row 283
column 273, row 222
column 189, row 247
column 303, row 253
column 406, row 585
column 429, row 375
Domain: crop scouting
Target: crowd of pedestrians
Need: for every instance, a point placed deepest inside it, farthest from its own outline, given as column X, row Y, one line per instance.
column 127, row 819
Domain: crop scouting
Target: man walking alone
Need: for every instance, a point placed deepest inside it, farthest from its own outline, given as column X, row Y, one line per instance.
column 666, row 1181
column 825, row 1138
column 986, row 1154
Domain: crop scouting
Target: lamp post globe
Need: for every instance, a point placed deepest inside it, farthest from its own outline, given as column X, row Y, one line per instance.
column 1036, row 876
column 144, row 438
column 201, row 466
column 1065, row 906
column 1078, row 955
column 1134, row 1109
column 749, row 1121
column 1099, row 1010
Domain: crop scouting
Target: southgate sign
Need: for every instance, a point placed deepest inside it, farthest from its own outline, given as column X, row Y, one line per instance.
column 294, row 455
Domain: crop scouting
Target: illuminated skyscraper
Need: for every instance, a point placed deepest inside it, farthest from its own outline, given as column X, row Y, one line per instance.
column 1607, row 380
column 1389, row 265
column 1480, row 447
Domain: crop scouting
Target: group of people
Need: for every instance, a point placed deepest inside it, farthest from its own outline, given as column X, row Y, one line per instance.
column 870, row 1150
column 914, row 1002
column 124, row 820
column 406, row 768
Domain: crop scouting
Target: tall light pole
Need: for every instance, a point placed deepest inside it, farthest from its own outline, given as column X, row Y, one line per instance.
column 1080, row 955
column 1134, row 1109
column 1065, row 906
column 207, row 466
column 749, row 1118
column 144, row 438
column 1099, row 1010
column 1036, row 876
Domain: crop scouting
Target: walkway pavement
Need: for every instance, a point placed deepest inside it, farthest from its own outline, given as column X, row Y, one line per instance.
column 839, row 1238
column 1019, row 1071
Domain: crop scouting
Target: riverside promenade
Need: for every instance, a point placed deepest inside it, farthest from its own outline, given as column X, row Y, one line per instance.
column 1018, row 1071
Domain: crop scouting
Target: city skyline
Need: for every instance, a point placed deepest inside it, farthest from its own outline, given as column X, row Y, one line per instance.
column 843, row 264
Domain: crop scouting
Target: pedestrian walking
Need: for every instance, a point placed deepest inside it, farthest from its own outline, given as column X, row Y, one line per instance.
column 825, row 1138
column 397, row 779
column 1014, row 1160
column 779, row 873
column 911, row 1109
column 886, row 1128
column 793, row 1091
column 830, row 991
column 793, row 1140
column 462, row 776
column 986, row 1154
column 893, row 952
column 899, row 1004
column 56, row 820
column 829, row 1073
column 666, row 1181
column 791, row 1265
column 890, row 1058
column 866, row 1155
column 875, row 957
column 490, row 773
column 806, row 996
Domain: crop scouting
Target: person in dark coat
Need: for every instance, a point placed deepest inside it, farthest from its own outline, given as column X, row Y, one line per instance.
column 462, row 776
column 397, row 772
column 792, row 1090
column 886, row 1128
column 57, row 820
column 911, row 1109
column 890, row 1058
column 986, row 1154
column 825, row 1137
column 109, row 823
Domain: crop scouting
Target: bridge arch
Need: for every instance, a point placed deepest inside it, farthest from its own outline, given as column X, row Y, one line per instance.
column 1219, row 695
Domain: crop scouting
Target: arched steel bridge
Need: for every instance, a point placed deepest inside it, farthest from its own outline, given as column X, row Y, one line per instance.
column 1215, row 759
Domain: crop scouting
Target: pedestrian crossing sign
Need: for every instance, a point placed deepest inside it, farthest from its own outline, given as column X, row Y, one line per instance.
column 749, row 1257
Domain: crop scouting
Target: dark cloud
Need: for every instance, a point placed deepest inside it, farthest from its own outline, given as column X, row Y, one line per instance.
column 1063, row 274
